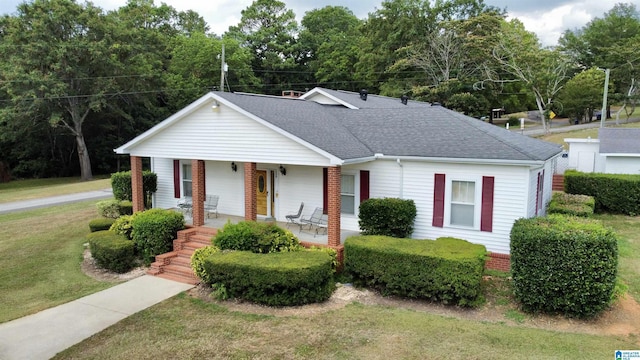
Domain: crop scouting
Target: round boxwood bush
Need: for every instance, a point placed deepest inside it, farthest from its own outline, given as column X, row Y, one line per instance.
column 112, row 251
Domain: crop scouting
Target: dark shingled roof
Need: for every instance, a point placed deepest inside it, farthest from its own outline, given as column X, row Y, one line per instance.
column 383, row 125
column 619, row 141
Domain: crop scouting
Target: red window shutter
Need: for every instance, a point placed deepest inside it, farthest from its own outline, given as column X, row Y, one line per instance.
column 204, row 178
column 325, row 189
column 364, row 185
column 176, row 179
column 538, row 195
column 438, row 200
column 486, row 216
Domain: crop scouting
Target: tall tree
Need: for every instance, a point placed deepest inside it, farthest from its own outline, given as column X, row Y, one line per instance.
column 609, row 42
column 55, row 53
column 582, row 94
column 543, row 72
column 329, row 43
column 195, row 67
column 268, row 29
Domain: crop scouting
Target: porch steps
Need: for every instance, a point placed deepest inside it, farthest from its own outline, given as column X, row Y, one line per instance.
column 176, row 265
column 558, row 182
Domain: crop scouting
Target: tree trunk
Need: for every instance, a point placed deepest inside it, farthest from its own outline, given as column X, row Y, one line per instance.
column 542, row 117
column 83, row 157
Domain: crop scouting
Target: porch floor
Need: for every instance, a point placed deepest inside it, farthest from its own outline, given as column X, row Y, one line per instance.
column 305, row 234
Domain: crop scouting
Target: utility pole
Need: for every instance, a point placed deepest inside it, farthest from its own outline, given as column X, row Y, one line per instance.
column 222, row 66
column 603, row 114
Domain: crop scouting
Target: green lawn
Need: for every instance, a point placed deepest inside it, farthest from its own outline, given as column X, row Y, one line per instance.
column 41, row 255
column 187, row 328
column 36, row 188
column 184, row 327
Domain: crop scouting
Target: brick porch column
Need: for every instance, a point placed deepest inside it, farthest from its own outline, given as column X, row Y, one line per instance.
column 137, row 194
column 250, row 198
column 333, row 212
column 197, row 187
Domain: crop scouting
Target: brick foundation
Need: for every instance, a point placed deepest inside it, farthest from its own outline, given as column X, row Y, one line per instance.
column 501, row 262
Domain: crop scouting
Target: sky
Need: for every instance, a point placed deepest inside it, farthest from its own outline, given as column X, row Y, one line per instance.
column 547, row 18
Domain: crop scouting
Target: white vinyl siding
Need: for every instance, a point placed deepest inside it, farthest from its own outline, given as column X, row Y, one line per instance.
column 226, row 135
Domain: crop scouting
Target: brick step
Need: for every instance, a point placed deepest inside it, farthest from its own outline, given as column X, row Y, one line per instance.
column 202, row 238
column 192, row 246
column 181, row 261
column 182, row 279
column 178, row 270
column 186, row 254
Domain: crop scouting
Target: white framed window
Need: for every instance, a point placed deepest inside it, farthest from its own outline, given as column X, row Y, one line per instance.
column 348, row 194
column 463, row 199
column 186, row 180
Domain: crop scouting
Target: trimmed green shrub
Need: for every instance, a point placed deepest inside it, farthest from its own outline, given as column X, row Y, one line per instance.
column 154, row 231
column 614, row 193
column 121, row 185
column 197, row 262
column 564, row 265
column 276, row 279
column 448, row 270
column 256, row 237
column 571, row 204
column 112, row 251
column 329, row 251
column 388, row 217
column 109, row 208
column 125, row 207
column 123, row 226
column 100, row 224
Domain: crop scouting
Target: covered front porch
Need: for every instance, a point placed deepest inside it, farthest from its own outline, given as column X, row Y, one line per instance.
column 240, row 187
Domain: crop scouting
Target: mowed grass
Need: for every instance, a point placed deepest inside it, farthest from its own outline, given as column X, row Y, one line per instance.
column 628, row 229
column 40, row 257
column 187, row 328
column 37, row 188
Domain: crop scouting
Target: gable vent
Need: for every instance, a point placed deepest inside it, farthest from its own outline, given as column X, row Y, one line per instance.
column 363, row 94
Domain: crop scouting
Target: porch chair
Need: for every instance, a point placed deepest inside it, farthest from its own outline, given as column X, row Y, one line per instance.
column 316, row 218
column 185, row 205
column 294, row 218
column 211, row 205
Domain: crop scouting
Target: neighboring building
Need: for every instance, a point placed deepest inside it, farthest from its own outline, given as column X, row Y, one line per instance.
column 333, row 149
column 617, row 151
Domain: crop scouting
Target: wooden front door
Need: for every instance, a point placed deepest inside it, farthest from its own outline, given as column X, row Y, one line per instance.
column 262, row 192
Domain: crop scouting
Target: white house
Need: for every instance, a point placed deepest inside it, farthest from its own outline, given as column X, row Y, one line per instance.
column 616, row 151
column 264, row 155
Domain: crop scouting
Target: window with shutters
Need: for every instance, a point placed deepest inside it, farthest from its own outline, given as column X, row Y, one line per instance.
column 463, row 203
column 186, row 180
column 348, row 194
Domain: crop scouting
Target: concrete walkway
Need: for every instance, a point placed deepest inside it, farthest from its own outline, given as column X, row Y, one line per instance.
column 54, row 200
column 44, row 334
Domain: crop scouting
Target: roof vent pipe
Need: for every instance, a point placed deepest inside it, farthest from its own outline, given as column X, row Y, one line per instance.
column 404, row 99
column 363, row 94
column 435, row 104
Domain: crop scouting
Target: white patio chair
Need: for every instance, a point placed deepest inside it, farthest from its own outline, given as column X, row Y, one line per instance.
column 211, row 205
